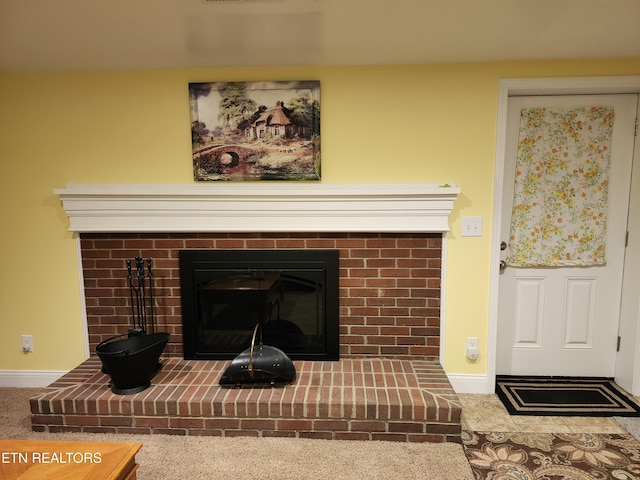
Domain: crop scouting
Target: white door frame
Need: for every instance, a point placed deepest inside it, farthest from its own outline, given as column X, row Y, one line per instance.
column 536, row 86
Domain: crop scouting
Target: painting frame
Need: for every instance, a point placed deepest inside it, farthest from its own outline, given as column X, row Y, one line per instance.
column 254, row 131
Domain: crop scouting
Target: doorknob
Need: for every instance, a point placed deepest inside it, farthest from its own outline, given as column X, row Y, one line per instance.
column 503, row 264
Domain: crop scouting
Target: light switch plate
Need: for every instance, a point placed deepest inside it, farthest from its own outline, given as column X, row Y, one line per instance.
column 471, row 226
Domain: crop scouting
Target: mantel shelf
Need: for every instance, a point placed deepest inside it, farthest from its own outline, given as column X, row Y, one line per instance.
column 250, row 207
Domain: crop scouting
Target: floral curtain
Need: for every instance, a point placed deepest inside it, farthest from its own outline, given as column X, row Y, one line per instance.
column 559, row 215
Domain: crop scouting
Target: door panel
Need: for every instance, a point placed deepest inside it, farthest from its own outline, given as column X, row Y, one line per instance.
column 529, row 307
column 579, row 316
column 564, row 320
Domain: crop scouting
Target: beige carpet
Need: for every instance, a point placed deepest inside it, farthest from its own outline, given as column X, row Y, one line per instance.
column 172, row 457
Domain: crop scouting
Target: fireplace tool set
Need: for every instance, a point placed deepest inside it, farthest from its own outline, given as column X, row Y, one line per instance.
column 141, row 295
column 132, row 361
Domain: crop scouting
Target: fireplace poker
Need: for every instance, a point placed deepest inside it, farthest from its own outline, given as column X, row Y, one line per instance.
column 141, row 290
column 151, row 302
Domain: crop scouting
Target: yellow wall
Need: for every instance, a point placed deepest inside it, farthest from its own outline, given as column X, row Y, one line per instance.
column 425, row 123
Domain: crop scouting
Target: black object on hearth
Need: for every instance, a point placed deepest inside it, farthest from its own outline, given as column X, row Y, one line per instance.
column 131, row 362
column 259, row 366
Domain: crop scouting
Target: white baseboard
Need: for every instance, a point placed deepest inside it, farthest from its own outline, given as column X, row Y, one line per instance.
column 463, row 383
column 29, row 378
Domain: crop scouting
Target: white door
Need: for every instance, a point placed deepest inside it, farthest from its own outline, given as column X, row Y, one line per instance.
column 564, row 320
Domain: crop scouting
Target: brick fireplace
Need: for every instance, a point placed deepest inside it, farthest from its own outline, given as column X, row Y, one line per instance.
column 389, row 285
column 388, row 384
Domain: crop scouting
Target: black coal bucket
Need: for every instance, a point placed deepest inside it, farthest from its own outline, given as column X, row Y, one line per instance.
column 131, row 362
column 259, row 366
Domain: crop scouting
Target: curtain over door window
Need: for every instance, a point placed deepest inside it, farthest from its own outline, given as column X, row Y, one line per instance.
column 559, row 215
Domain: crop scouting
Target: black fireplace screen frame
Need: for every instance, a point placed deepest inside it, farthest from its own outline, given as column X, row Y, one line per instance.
column 319, row 267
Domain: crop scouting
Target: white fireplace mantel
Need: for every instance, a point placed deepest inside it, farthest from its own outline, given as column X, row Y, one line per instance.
column 251, row 207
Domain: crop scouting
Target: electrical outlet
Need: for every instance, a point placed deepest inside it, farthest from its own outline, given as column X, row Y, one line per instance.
column 472, row 348
column 27, row 343
column 471, row 226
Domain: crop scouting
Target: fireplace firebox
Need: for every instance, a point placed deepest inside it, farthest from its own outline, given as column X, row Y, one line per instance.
column 293, row 294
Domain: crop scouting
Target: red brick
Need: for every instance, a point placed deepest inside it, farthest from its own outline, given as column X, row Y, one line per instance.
column 389, row 437
column 377, row 282
column 281, row 434
column 443, row 428
column 168, row 244
column 170, row 431
column 241, row 433
column 153, row 422
column 381, row 242
column 352, row 339
column 380, row 302
column 407, row 427
column 222, row 423
column 139, row 244
column 413, row 263
column 285, row 243
column 179, row 422
column 230, row 244
column 352, row 436
column 395, row 253
column 368, row 426
column 317, row 435
column 395, row 330
column 107, row 244
column 320, row 243
column 395, row 272
column 47, row 419
column 82, row 420
column 294, row 424
column 116, row 421
column 350, row 243
column 371, row 350
column 364, row 330
column 258, row 424
column 206, row 433
column 364, row 311
column 258, row 243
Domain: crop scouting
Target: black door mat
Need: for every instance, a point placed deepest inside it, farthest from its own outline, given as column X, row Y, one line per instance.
column 565, row 396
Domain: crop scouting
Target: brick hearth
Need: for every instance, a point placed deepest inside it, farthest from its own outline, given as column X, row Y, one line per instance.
column 353, row 399
column 388, row 384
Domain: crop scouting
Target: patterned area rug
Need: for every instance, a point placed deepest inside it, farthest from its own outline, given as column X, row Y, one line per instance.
column 547, row 456
column 566, row 396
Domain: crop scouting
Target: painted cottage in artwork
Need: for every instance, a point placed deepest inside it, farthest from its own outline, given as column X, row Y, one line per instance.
column 274, row 122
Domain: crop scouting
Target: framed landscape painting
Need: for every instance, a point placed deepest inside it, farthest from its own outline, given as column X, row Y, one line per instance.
column 255, row 130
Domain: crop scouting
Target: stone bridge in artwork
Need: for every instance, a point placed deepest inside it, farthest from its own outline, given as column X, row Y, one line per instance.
column 218, row 158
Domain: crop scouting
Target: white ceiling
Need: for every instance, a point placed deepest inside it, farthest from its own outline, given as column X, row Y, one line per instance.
column 143, row 34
